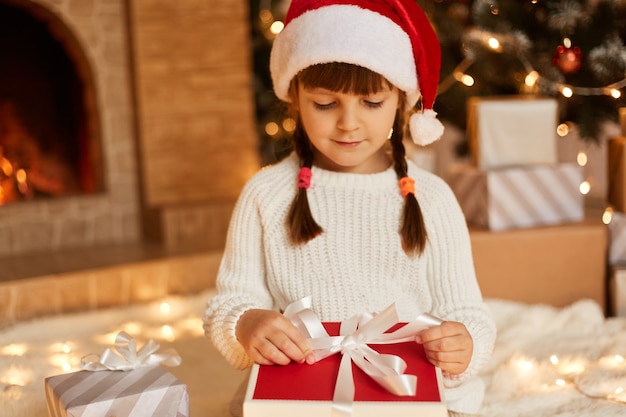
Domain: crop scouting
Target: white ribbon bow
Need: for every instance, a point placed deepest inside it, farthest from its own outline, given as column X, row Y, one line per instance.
column 128, row 358
column 354, row 336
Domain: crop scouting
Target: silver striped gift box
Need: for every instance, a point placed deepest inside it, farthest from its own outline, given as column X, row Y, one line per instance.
column 617, row 238
column 142, row 392
column 519, row 197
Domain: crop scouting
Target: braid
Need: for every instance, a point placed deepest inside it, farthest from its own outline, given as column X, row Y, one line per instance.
column 412, row 228
column 300, row 222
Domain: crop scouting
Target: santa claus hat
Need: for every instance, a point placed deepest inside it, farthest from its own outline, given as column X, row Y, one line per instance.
column 391, row 37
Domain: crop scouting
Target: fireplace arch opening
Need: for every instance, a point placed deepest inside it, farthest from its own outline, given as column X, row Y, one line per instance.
column 49, row 125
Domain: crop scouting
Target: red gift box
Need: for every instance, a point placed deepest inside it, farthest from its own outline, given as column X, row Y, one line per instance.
column 307, row 390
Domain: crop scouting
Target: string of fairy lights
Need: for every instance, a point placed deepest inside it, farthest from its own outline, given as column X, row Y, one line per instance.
column 532, row 79
column 165, row 321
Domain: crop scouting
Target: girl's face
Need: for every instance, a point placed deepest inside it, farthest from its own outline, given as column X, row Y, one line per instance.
column 348, row 131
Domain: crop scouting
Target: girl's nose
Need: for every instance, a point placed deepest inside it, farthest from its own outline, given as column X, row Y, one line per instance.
column 348, row 119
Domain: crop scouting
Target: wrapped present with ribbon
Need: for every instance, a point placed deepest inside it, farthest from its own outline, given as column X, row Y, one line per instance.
column 366, row 366
column 121, row 382
column 518, row 197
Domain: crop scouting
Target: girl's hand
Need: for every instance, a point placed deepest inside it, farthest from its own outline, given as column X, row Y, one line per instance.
column 269, row 338
column 448, row 346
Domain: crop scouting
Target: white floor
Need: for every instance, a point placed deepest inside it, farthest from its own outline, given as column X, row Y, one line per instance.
column 547, row 362
column 31, row 351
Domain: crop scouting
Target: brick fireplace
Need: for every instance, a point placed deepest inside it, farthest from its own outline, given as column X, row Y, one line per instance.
column 169, row 114
column 101, row 62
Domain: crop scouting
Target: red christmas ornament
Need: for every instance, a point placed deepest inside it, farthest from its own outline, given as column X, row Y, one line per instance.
column 567, row 59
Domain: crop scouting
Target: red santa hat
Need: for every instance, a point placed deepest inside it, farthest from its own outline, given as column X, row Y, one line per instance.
column 391, row 37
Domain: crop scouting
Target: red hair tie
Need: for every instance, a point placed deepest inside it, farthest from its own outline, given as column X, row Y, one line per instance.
column 304, row 177
column 407, row 186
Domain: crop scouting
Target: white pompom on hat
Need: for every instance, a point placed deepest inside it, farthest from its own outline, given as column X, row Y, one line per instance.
column 391, row 37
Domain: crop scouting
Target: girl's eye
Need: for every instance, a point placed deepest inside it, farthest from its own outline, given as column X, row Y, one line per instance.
column 323, row 106
column 373, row 104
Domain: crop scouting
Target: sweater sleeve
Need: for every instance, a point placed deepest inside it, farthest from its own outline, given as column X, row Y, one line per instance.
column 452, row 278
column 240, row 280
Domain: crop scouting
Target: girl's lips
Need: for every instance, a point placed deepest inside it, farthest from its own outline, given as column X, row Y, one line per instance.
column 348, row 144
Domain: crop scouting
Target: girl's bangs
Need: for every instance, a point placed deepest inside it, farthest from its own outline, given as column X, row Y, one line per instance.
column 344, row 78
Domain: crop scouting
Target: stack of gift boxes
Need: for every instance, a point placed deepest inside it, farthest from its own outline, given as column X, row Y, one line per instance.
column 617, row 225
column 515, row 179
column 524, row 207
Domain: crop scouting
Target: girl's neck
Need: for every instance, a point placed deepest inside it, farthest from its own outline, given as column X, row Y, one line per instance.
column 381, row 162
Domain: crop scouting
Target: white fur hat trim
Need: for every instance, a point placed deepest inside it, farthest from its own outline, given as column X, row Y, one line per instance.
column 344, row 33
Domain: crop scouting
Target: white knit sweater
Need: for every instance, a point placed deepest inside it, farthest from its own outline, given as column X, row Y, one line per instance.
column 356, row 265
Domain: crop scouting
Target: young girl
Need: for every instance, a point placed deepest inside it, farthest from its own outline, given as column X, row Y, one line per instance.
column 346, row 218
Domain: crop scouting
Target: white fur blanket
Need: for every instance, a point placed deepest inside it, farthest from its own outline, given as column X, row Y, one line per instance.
column 547, row 361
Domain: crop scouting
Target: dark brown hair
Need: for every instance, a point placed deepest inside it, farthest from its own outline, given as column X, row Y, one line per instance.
column 347, row 78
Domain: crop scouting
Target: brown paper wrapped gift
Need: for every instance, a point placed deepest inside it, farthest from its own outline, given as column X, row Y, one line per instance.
column 555, row 265
column 617, row 172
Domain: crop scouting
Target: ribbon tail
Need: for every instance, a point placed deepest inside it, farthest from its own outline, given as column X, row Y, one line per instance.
column 168, row 358
column 344, row 389
column 401, row 385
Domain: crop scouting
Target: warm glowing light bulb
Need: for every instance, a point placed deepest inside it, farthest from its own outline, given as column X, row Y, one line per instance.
column 607, row 216
column 271, row 128
column 562, row 129
column 618, row 358
column 165, row 308
column 531, row 78
column 615, row 93
column 567, row 92
column 131, row 328
column 16, row 376
column 581, row 158
column 493, row 43
column 266, row 16
column 524, row 364
column 585, row 187
column 277, row 27
column 167, row 332
column 14, row 349
column 289, row 124
column 467, row 80
column 554, row 360
column 560, row 382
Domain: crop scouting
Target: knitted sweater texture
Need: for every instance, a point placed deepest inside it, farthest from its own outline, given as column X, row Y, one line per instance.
column 356, row 265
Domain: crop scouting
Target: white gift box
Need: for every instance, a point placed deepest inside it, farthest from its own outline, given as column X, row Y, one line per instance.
column 142, row 392
column 512, row 131
column 509, row 198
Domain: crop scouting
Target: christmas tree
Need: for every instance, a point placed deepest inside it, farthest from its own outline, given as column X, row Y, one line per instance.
column 572, row 50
